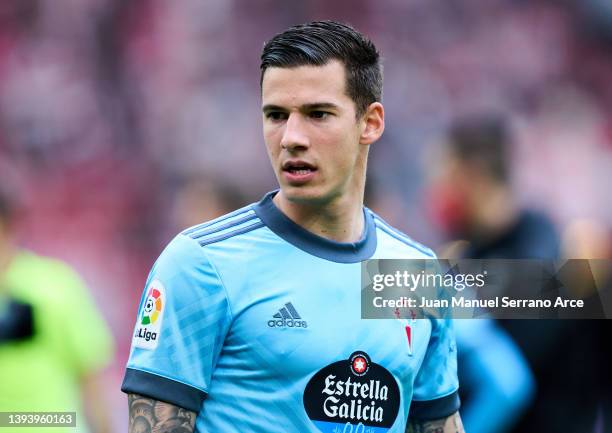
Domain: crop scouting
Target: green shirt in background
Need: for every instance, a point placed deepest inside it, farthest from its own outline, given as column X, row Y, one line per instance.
column 70, row 340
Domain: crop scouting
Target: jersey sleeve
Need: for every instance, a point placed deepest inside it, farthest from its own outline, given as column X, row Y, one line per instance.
column 436, row 385
column 182, row 321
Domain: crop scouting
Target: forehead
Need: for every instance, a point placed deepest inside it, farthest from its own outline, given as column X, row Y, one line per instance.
column 305, row 84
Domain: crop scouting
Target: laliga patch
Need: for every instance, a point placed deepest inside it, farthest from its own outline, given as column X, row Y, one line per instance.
column 150, row 318
column 354, row 395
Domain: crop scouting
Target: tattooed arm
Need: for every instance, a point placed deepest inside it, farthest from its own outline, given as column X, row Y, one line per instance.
column 452, row 424
column 152, row 416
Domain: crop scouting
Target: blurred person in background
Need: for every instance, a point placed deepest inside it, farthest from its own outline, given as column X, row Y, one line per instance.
column 473, row 201
column 53, row 341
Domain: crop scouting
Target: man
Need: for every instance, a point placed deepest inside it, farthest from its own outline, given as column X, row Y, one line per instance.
column 53, row 341
column 474, row 199
column 251, row 322
column 476, row 202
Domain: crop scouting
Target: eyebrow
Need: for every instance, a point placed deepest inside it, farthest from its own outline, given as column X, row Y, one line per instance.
column 305, row 107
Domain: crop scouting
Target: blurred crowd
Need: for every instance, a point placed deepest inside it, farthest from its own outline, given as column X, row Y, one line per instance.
column 123, row 122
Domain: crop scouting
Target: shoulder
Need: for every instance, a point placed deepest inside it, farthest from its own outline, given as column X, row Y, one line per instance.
column 534, row 221
column 393, row 239
column 231, row 225
column 196, row 246
column 54, row 271
column 538, row 235
column 48, row 283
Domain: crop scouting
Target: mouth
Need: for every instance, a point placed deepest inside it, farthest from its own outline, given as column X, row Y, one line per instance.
column 298, row 172
column 298, row 167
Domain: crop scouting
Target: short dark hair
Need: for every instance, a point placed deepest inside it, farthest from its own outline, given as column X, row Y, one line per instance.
column 317, row 43
column 484, row 139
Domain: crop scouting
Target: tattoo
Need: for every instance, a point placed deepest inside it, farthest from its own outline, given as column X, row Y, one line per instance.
column 426, row 426
column 152, row 416
column 452, row 424
column 458, row 425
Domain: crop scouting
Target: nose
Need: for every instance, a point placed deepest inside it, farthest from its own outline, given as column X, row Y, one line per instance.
column 294, row 136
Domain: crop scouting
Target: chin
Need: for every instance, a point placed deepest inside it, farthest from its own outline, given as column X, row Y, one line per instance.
column 305, row 194
column 299, row 193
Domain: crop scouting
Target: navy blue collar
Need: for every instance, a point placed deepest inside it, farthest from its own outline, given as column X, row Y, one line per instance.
column 341, row 252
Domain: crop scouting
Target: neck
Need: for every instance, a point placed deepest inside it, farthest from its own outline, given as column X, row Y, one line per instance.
column 340, row 220
column 496, row 214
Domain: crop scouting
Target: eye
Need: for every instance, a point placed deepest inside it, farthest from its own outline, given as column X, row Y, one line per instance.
column 319, row 114
column 276, row 115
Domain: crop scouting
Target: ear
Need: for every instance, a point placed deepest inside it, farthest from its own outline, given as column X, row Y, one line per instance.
column 373, row 123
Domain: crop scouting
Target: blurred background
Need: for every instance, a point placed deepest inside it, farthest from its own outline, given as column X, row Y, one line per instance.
column 123, row 122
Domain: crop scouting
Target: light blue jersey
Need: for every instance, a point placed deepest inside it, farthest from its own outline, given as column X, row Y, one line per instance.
column 254, row 323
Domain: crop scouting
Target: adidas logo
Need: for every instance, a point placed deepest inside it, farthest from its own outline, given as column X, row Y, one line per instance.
column 287, row 317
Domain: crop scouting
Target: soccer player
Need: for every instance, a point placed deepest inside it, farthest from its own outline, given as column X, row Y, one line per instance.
column 251, row 322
